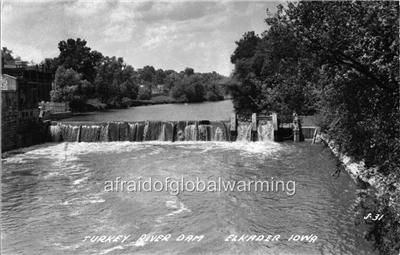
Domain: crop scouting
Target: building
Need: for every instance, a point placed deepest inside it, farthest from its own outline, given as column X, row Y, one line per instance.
column 22, row 88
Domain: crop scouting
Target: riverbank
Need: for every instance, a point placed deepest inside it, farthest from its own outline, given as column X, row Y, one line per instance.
column 386, row 200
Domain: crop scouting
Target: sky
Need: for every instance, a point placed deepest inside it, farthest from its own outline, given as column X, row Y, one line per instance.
column 167, row 35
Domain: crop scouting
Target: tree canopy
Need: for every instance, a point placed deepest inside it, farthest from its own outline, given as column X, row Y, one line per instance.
column 340, row 60
column 83, row 73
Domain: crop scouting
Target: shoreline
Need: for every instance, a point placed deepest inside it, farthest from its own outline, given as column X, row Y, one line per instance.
column 384, row 190
column 357, row 169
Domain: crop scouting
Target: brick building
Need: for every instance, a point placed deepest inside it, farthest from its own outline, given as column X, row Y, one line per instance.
column 22, row 88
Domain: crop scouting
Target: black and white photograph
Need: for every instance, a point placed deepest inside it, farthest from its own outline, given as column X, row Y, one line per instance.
column 200, row 127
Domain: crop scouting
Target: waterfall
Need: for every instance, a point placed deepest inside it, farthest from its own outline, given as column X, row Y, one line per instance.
column 191, row 132
column 265, row 132
column 123, row 131
column 152, row 130
column 90, row 133
column 70, row 133
column 204, row 133
column 219, row 131
column 244, row 131
column 113, row 131
column 167, row 132
column 179, row 134
column 55, row 133
column 139, row 131
column 132, row 131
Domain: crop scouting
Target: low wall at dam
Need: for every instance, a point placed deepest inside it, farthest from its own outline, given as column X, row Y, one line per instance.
column 162, row 131
column 254, row 128
column 250, row 128
column 139, row 131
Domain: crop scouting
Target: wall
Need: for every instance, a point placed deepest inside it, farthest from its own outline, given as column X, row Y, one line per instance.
column 9, row 120
column 20, row 124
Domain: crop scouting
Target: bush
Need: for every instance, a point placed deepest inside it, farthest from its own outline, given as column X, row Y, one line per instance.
column 144, row 93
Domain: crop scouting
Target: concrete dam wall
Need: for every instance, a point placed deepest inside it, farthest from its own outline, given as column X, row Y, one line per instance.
column 139, row 131
column 159, row 131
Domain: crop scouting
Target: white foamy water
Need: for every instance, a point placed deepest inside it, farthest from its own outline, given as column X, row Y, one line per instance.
column 58, row 195
column 67, row 151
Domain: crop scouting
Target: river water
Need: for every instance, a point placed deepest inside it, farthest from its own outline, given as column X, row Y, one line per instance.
column 221, row 110
column 53, row 196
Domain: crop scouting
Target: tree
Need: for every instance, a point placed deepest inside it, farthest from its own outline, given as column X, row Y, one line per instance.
column 144, row 93
column 7, row 56
column 147, row 73
column 189, row 89
column 159, row 76
column 189, row 71
column 69, row 87
column 76, row 55
column 340, row 59
column 246, row 47
column 114, row 81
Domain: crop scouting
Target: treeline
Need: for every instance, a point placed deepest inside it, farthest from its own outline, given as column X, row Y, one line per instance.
column 82, row 74
column 339, row 60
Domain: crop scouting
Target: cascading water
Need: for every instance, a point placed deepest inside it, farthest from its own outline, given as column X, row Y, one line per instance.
column 90, row 133
column 70, row 133
column 244, row 131
column 139, row 131
column 55, row 133
column 191, row 132
column 265, row 131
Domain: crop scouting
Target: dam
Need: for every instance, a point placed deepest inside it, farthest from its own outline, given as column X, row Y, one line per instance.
column 58, row 187
column 163, row 131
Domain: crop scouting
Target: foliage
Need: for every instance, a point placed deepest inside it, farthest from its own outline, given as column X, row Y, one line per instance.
column 7, row 56
column 341, row 60
column 69, row 87
column 76, row 55
column 83, row 74
column 115, row 80
column 195, row 87
column 144, row 93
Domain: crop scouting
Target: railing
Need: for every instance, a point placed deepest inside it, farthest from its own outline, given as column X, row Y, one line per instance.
column 54, row 107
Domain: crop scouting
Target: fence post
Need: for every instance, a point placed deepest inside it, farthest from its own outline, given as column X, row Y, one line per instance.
column 296, row 128
column 233, row 127
column 254, row 127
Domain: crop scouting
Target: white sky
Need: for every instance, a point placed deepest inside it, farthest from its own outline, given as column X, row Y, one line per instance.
column 167, row 35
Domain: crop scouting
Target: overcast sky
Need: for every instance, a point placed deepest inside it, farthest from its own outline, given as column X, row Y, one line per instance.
column 167, row 35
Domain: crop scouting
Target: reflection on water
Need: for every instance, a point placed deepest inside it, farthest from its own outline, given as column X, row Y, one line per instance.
column 218, row 111
column 52, row 197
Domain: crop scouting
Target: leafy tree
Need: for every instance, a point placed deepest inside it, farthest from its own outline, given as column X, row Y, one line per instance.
column 69, row 87
column 7, row 56
column 147, row 73
column 171, row 79
column 76, row 55
column 115, row 80
column 246, row 47
column 159, row 76
column 144, row 93
column 50, row 64
column 189, row 89
column 340, row 59
column 189, row 71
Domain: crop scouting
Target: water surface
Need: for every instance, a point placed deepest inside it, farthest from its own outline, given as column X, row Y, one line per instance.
column 53, row 196
column 219, row 111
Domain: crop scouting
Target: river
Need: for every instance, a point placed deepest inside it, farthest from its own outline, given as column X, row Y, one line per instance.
column 221, row 110
column 54, row 197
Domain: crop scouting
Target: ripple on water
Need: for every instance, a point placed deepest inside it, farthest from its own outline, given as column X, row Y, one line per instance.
column 68, row 179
